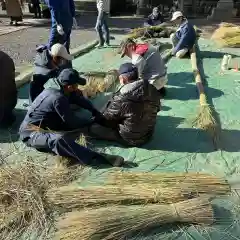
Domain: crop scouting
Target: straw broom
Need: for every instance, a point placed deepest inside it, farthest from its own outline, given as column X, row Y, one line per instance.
column 193, row 182
column 206, row 118
column 120, row 222
column 67, row 198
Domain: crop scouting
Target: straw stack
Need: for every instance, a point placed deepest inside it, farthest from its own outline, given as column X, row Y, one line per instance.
column 227, row 35
column 195, row 183
column 98, row 82
column 120, row 222
column 207, row 117
column 67, row 198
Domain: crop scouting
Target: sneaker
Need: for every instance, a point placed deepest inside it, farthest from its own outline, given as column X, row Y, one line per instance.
column 100, row 45
column 114, row 160
column 107, row 44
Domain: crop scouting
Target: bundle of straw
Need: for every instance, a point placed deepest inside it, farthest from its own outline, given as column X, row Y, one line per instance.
column 67, row 198
column 120, row 222
column 196, row 183
column 98, row 82
column 206, row 118
column 227, row 35
column 21, row 204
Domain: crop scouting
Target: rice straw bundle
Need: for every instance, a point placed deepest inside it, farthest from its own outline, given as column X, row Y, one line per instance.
column 98, row 82
column 120, row 222
column 196, row 183
column 206, row 118
column 21, row 204
column 67, row 198
column 227, row 35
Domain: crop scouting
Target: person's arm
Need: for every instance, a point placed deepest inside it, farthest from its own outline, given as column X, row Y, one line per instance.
column 54, row 5
column 140, row 63
column 62, row 107
column 180, row 45
column 72, row 6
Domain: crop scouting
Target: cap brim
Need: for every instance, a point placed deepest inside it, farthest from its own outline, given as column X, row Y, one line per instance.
column 82, row 81
column 68, row 57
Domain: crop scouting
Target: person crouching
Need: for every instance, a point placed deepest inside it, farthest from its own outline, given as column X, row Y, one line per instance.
column 130, row 116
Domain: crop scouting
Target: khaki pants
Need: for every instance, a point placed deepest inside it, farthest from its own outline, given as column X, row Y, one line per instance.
column 181, row 53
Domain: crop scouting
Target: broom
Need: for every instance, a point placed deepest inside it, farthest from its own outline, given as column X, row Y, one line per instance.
column 120, row 222
column 206, row 118
column 192, row 182
column 67, row 198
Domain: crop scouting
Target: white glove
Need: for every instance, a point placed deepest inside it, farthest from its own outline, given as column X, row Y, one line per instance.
column 75, row 25
column 60, row 29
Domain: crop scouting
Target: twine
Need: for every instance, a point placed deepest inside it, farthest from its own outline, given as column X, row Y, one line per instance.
column 175, row 212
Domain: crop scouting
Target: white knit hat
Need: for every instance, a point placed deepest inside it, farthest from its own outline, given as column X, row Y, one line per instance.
column 176, row 15
column 58, row 50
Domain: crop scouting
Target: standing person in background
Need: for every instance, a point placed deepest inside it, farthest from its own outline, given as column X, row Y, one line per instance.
column 14, row 11
column 102, row 22
column 8, row 90
column 63, row 19
column 36, row 8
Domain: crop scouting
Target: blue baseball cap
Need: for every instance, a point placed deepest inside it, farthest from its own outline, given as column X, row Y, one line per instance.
column 130, row 70
column 70, row 76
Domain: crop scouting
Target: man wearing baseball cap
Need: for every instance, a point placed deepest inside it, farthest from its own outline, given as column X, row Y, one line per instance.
column 50, row 113
column 148, row 61
column 184, row 38
column 130, row 116
column 47, row 64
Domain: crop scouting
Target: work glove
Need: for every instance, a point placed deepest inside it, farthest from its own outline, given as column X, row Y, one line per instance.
column 75, row 24
column 60, row 29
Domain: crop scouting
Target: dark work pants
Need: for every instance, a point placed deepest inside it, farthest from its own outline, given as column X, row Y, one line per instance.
column 37, row 10
column 102, row 28
column 61, row 145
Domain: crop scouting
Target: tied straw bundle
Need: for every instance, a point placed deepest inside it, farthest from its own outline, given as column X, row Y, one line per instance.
column 206, row 118
column 195, row 183
column 120, row 222
column 98, row 82
column 67, row 198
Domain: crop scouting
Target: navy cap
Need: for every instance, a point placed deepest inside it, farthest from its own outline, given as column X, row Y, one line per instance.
column 70, row 76
column 129, row 69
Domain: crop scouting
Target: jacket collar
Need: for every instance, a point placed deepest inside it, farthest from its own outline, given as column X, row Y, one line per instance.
column 130, row 87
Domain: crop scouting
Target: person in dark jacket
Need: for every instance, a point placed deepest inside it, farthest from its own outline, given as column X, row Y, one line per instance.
column 63, row 19
column 36, row 8
column 130, row 116
column 154, row 19
column 51, row 111
column 184, row 38
column 8, row 90
column 47, row 65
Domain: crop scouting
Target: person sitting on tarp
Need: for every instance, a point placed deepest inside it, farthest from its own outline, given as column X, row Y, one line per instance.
column 154, row 19
column 47, row 65
column 63, row 19
column 8, row 90
column 50, row 113
column 130, row 116
column 184, row 38
column 149, row 62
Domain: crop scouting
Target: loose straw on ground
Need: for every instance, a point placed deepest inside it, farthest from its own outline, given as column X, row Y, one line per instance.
column 120, row 222
column 193, row 182
column 206, row 118
column 67, row 198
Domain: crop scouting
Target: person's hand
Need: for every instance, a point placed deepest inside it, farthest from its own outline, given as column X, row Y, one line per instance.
column 60, row 29
column 75, row 24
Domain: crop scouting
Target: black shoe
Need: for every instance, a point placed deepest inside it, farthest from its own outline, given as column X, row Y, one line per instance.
column 162, row 92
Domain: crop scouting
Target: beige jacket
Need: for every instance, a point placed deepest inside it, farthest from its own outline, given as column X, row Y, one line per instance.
column 13, row 8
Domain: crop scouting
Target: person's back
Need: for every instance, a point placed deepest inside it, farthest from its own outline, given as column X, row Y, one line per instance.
column 8, row 90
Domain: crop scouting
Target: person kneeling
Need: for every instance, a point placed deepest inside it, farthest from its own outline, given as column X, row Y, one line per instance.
column 51, row 110
column 184, row 38
column 130, row 116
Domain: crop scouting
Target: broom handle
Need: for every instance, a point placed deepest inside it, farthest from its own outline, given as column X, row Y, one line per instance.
column 197, row 75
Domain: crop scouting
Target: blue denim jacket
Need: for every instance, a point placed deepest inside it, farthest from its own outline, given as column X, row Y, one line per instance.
column 186, row 36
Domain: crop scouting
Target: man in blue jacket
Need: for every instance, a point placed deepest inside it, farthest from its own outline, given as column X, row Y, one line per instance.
column 50, row 114
column 63, row 19
column 47, row 64
column 184, row 38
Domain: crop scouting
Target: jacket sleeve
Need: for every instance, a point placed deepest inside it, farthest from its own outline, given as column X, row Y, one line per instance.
column 54, row 6
column 184, row 36
column 70, row 121
column 72, row 5
column 82, row 102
